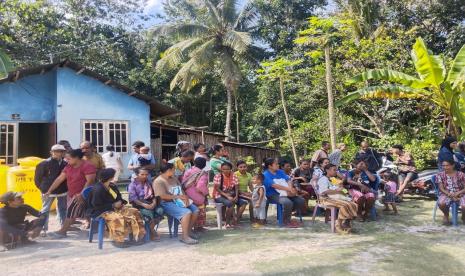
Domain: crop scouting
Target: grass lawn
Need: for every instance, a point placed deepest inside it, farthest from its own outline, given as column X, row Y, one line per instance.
column 408, row 244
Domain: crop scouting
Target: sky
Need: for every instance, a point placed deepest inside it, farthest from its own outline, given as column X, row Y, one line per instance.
column 155, row 6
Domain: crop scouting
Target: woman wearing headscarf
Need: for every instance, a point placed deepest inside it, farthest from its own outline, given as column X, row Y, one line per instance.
column 446, row 152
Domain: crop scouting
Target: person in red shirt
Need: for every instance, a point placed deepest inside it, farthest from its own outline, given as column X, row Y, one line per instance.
column 226, row 191
column 78, row 175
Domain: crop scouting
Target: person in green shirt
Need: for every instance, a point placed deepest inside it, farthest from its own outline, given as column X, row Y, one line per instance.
column 217, row 158
column 245, row 185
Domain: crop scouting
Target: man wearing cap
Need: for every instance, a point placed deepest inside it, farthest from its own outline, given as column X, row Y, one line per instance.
column 13, row 226
column 46, row 172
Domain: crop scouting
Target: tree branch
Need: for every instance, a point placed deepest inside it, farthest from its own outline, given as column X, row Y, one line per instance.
column 367, row 131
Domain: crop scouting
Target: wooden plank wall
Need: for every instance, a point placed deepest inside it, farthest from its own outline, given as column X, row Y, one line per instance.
column 235, row 151
column 155, row 148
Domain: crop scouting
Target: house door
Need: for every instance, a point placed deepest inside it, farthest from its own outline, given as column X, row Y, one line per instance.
column 35, row 139
column 8, row 142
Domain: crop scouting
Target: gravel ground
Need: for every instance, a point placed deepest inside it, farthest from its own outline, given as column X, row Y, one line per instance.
column 409, row 244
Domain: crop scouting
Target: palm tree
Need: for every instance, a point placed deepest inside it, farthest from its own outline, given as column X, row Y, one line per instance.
column 5, row 65
column 212, row 36
column 323, row 32
column 280, row 69
column 364, row 18
column 433, row 84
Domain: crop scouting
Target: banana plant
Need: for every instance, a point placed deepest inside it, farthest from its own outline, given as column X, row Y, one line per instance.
column 443, row 88
column 6, row 65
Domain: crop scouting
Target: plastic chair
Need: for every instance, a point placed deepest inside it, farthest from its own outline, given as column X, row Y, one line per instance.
column 453, row 204
column 173, row 223
column 332, row 209
column 96, row 220
column 219, row 213
column 280, row 212
column 101, row 224
column 373, row 212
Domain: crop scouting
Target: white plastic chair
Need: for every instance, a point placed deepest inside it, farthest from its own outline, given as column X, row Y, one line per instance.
column 325, row 207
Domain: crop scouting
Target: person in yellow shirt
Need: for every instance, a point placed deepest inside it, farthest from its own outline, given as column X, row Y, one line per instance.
column 245, row 185
column 91, row 156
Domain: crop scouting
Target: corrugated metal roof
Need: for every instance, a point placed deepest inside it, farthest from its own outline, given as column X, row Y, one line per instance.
column 157, row 109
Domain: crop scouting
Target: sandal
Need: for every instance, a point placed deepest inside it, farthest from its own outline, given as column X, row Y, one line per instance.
column 194, row 236
column 189, row 241
column 56, row 235
column 120, row 244
column 137, row 243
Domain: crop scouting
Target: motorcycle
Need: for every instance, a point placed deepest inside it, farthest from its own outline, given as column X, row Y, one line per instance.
column 422, row 186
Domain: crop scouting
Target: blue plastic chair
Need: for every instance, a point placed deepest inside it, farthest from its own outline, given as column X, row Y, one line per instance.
column 101, row 224
column 97, row 220
column 373, row 212
column 454, row 204
column 173, row 223
column 280, row 212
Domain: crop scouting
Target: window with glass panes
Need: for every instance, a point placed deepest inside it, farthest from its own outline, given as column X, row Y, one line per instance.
column 102, row 133
column 7, row 143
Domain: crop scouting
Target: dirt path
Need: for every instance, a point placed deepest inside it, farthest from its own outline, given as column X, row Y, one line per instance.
column 405, row 245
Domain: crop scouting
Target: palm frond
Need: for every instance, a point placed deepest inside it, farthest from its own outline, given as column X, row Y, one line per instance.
column 238, row 41
column 390, row 76
column 177, row 53
column 228, row 11
column 387, row 91
column 214, row 14
column 247, row 16
column 200, row 60
column 230, row 72
column 181, row 30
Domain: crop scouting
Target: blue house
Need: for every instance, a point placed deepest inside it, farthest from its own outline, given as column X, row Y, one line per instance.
column 66, row 101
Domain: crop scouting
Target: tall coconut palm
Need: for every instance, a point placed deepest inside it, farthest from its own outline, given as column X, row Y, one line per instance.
column 5, row 64
column 212, row 37
column 434, row 84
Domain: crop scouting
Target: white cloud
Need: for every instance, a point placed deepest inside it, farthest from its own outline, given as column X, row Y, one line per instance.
column 153, row 5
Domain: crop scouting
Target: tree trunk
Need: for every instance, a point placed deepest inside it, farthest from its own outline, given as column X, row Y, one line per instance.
column 331, row 111
column 227, row 127
column 286, row 115
column 211, row 109
column 236, row 107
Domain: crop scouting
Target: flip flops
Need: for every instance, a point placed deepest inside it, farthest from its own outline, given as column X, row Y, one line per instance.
column 120, row 244
column 56, row 235
column 189, row 241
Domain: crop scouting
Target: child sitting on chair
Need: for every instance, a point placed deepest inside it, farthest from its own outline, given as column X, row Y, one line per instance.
column 259, row 201
column 390, row 189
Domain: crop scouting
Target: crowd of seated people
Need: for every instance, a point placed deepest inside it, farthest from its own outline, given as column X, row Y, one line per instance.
column 182, row 188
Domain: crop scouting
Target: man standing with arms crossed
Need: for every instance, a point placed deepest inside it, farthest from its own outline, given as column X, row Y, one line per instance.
column 46, row 172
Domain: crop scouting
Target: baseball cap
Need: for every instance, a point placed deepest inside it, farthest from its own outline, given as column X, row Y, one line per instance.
column 9, row 196
column 58, row 147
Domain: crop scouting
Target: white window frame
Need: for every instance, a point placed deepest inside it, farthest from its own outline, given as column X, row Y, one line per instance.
column 14, row 153
column 106, row 134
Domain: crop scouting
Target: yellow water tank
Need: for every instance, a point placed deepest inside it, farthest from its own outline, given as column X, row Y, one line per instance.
column 30, row 161
column 21, row 179
column 3, row 172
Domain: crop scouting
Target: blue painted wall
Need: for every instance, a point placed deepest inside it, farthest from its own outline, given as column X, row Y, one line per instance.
column 33, row 97
column 80, row 97
column 64, row 97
